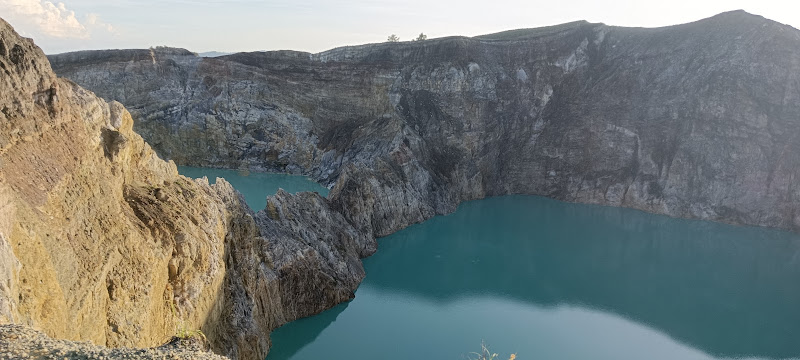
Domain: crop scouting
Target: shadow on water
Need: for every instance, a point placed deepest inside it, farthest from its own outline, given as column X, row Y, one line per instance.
column 727, row 290
column 304, row 332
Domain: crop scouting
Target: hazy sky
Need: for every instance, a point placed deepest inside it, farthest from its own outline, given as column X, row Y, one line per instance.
column 249, row 25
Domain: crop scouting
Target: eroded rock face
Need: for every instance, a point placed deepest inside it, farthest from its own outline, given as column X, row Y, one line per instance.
column 102, row 241
column 98, row 236
column 304, row 230
column 696, row 120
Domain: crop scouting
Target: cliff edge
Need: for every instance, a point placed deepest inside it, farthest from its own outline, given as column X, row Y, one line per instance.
column 102, row 241
column 695, row 120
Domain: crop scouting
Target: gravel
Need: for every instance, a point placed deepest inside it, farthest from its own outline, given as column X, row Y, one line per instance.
column 22, row 342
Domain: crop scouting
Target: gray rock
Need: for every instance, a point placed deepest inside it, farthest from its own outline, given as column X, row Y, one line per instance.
column 21, row 342
column 695, row 120
column 314, row 251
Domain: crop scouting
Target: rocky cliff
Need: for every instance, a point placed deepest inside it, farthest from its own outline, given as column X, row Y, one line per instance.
column 102, row 241
column 697, row 120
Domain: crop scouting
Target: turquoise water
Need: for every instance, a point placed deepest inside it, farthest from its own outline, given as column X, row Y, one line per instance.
column 552, row 280
column 256, row 186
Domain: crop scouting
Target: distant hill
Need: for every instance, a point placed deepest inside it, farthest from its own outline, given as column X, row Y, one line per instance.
column 520, row 34
column 697, row 120
column 213, row 54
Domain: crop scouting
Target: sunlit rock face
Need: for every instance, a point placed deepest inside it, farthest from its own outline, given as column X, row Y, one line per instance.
column 103, row 241
column 100, row 239
column 695, row 120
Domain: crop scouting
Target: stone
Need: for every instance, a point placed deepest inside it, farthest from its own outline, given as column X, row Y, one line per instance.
column 101, row 241
column 21, row 342
column 694, row 120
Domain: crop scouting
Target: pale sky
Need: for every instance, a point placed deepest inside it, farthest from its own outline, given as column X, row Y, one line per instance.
column 250, row 25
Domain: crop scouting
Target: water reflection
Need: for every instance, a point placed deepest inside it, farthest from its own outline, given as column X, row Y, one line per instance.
column 304, row 332
column 569, row 281
column 728, row 290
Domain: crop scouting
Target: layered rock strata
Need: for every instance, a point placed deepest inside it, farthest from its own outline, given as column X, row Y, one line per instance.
column 102, row 241
column 695, row 120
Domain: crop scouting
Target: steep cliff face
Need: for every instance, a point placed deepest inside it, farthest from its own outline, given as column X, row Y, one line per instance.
column 102, row 241
column 696, row 120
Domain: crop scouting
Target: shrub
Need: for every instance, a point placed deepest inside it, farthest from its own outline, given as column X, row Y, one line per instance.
column 485, row 354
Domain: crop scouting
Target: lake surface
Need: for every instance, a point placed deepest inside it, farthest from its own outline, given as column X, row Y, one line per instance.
column 256, row 186
column 551, row 280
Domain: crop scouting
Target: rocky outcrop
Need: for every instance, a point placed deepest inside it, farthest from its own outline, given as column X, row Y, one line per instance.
column 304, row 233
column 695, row 120
column 102, row 241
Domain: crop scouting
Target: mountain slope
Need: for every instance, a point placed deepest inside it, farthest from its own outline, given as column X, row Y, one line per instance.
column 102, row 241
column 696, row 120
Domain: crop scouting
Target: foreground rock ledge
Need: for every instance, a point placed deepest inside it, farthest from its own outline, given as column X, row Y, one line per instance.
column 23, row 343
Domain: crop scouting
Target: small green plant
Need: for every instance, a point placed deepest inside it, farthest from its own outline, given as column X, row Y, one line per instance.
column 182, row 329
column 485, row 354
column 186, row 333
column 393, row 38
